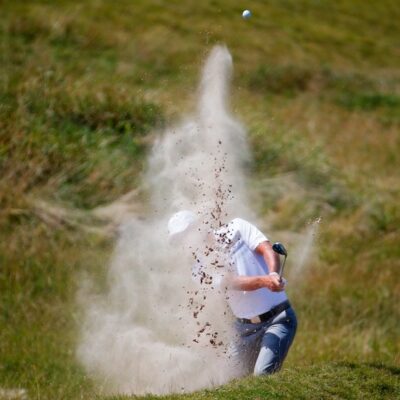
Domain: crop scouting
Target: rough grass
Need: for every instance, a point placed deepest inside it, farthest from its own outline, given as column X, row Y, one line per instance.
column 85, row 86
column 321, row 381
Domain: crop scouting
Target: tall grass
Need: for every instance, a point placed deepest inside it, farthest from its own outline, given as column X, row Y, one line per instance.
column 85, row 86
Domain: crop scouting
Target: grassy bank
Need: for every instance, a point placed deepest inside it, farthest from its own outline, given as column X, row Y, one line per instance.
column 84, row 89
column 322, row 381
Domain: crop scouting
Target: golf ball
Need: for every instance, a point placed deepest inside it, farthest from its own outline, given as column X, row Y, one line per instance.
column 246, row 14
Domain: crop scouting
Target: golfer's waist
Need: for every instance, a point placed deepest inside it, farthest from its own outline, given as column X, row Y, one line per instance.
column 273, row 312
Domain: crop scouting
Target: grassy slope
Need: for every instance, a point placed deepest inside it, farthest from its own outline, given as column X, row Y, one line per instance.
column 321, row 381
column 83, row 84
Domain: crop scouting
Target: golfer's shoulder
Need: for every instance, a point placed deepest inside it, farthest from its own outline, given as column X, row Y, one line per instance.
column 246, row 228
column 241, row 225
column 232, row 227
column 234, row 223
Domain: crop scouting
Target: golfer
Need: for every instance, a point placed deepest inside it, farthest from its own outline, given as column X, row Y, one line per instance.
column 265, row 321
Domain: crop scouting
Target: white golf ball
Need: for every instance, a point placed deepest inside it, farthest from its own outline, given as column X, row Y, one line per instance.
column 246, row 14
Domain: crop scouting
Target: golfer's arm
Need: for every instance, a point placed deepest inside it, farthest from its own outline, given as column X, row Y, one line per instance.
column 249, row 283
column 270, row 257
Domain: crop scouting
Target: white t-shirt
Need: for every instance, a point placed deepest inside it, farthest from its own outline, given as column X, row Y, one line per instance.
column 239, row 240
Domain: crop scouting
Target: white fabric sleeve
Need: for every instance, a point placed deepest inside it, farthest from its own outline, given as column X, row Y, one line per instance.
column 250, row 234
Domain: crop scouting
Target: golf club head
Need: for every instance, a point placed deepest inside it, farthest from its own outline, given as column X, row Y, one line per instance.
column 279, row 248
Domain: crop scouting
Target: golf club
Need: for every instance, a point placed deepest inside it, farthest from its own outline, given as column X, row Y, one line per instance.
column 280, row 249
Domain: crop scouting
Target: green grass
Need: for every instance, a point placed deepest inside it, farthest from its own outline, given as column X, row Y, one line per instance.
column 321, row 381
column 84, row 89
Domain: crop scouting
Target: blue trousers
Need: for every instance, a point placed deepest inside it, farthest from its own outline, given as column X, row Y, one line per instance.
column 261, row 348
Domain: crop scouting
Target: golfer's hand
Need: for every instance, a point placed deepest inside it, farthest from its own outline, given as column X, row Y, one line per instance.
column 274, row 283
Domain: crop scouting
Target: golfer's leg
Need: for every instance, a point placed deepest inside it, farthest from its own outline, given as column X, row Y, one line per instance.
column 245, row 350
column 276, row 342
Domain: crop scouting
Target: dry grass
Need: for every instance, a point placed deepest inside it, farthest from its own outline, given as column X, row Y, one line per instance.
column 85, row 86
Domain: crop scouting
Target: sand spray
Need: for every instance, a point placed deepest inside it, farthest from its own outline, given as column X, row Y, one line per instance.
column 154, row 331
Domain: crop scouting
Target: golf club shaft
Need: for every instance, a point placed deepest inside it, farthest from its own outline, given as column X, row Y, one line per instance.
column 281, row 269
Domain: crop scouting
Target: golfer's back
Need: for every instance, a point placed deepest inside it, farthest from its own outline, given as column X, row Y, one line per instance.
column 240, row 238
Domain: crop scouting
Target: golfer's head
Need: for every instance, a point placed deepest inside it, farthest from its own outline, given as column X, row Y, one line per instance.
column 181, row 225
